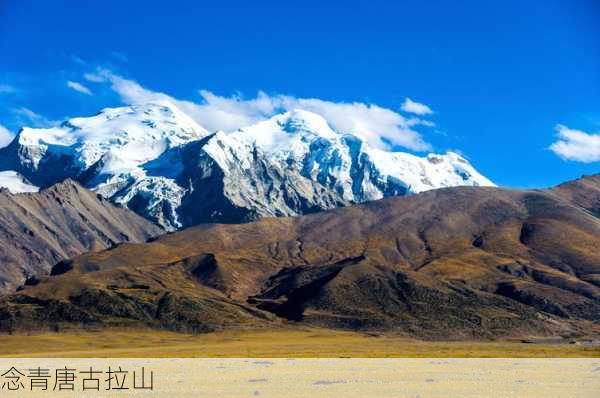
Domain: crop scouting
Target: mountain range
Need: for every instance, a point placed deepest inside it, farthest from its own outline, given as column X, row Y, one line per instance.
column 283, row 222
column 158, row 162
column 451, row 263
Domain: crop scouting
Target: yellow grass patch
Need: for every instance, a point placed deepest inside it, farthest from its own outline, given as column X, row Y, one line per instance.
column 269, row 343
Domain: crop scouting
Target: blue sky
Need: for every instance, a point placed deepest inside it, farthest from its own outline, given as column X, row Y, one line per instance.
column 500, row 77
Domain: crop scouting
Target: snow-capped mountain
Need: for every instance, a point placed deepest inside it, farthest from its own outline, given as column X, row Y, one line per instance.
column 107, row 153
column 157, row 161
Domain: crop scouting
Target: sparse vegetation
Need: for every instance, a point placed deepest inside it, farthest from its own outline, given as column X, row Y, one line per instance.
column 269, row 343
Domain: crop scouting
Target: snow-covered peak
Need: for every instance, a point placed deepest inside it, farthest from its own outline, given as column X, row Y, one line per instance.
column 121, row 153
column 424, row 173
column 15, row 182
column 301, row 121
column 134, row 134
column 448, row 157
column 288, row 132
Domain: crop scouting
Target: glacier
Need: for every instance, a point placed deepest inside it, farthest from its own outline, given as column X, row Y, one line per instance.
column 157, row 161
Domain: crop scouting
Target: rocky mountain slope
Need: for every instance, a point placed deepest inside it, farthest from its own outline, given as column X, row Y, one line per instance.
column 157, row 161
column 584, row 192
column 463, row 262
column 39, row 229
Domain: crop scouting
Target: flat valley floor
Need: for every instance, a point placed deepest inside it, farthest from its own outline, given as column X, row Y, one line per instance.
column 304, row 343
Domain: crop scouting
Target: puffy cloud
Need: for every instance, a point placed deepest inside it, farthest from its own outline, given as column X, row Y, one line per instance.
column 380, row 126
column 576, row 145
column 417, row 108
column 79, row 87
column 5, row 136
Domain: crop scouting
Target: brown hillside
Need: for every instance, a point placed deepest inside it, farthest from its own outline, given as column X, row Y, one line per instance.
column 583, row 192
column 39, row 229
column 449, row 263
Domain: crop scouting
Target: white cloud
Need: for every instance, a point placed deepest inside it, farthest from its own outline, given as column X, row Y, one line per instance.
column 28, row 117
column 417, row 108
column 93, row 77
column 576, row 145
column 79, row 87
column 28, row 113
column 5, row 136
column 380, row 126
column 7, row 89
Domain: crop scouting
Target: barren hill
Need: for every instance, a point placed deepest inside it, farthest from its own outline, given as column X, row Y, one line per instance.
column 39, row 229
column 464, row 262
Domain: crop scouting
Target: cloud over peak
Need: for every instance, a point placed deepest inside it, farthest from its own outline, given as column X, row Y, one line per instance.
column 417, row 108
column 381, row 127
column 79, row 87
column 26, row 116
column 576, row 145
column 5, row 136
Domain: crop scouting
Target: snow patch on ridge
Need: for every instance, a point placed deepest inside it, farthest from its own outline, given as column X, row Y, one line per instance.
column 15, row 182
